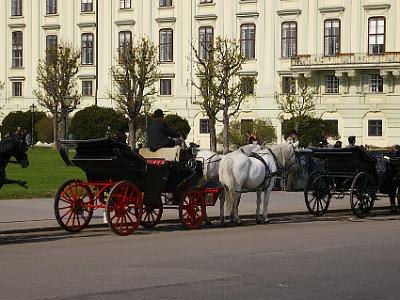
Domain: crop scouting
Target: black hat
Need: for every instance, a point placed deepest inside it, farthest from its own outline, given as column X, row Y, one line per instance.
column 158, row 113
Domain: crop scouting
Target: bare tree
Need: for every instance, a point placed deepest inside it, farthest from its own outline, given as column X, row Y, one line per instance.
column 298, row 102
column 221, row 87
column 208, row 86
column 134, row 75
column 56, row 76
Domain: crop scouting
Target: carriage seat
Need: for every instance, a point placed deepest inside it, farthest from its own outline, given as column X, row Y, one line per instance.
column 169, row 154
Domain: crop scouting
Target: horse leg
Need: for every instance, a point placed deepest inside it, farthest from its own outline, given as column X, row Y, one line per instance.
column 258, row 219
column 222, row 208
column 267, row 192
column 234, row 217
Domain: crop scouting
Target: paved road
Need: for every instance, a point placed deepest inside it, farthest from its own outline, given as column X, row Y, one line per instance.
column 297, row 257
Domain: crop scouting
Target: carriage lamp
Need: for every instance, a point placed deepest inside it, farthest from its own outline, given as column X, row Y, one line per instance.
column 32, row 108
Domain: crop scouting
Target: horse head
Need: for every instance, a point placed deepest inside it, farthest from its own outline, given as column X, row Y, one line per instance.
column 286, row 155
column 16, row 146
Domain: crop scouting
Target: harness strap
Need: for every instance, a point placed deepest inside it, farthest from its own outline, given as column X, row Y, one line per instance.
column 268, row 174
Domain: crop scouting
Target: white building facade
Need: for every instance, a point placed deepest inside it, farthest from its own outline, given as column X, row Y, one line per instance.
column 351, row 50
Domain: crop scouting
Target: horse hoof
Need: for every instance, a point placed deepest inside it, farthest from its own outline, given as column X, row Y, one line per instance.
column 267, row 221
column 207, row 221
column 258, row 221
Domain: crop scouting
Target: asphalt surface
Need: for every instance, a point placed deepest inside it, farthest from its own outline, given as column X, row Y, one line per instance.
column 33, row 215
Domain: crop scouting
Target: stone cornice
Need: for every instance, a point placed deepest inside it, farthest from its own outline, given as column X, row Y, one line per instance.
column 86, row 24
column 376, row 6
column 206, row 17
column 166, row 20
column 287, row 12
column 331, row 9
column 124, row 22
column 247, row 14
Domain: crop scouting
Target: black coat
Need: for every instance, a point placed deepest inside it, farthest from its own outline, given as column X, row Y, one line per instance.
column 159, row 135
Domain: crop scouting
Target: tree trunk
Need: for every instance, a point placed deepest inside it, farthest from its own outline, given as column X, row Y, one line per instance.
column 225, row 133
column 213, row 135
column 55, row 131
column 132, row 133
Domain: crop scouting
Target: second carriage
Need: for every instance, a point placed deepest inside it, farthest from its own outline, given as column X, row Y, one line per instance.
column 134, row 188
column 350, row 171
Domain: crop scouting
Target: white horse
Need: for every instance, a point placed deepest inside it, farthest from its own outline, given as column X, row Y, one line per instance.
column 241, row 173
column 211, row 160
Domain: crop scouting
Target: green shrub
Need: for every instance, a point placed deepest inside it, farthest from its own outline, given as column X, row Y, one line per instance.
column 178, row 124
column 21, row 119
column 44, row 129
column 97, row 122
column 311, row 131
column 262, row 129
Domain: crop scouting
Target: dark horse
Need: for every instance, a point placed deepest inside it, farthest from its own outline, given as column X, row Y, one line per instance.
column 13, row 146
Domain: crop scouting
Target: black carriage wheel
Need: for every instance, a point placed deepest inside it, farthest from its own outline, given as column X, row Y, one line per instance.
column 71, row 205
column 124, row 208
column 317, row 194
column 362, row 195
column 192, row 209
column 151, row 216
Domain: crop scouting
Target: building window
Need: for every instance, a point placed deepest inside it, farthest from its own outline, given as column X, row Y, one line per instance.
column 86, row 5
column 374, row 127
column 248, row 40
column 16, row 8
column 87, row 88
column 333, row 124
column 247, row 85
column 331, row 84
column 51, row 7
column 288, row 85
column 376, row 35
column 124, row 4
column 17, row 49
column 165, row 3
column 166, row 45
column 124, row 42
column 87, row 49
column 206, row 1
column 332, row 37
column 289, row 39
column 17, row 88
column 206, row 38
column 375, row 83
column 51, row 48
column 165, row 87
column 204, row 126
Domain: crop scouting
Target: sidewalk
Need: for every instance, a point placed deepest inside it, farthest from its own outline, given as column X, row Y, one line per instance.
column 30, row 215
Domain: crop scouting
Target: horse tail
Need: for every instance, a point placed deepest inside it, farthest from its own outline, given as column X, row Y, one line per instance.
column 226, row 177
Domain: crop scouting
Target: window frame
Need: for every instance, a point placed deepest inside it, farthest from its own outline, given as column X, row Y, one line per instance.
column 376, row 35
column 51, row 7
column 17, row 48
column 16, row 89
column 50, row 46
column 204, row 126
column 289, row 53
column 378, row 128
column 204, row 44
column 164, row 89
column 375, row 83
column 87, row 88
column 248, row 45
column 331, row 37
column 288, row 85
column 332, row 84
column 247, row 85
column 125, row 4
column 169, row 50
column 87, row 49
column 165, row 3
column 16, row 8
column 86, row 6
column 206, row 1
column 123, row 43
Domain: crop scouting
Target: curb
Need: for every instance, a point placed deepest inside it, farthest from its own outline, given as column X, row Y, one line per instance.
column 176, row 221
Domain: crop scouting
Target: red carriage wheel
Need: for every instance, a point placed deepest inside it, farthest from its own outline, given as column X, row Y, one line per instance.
column 124, row 208
column 192, row 209
column 72, row 205
column 151, row 216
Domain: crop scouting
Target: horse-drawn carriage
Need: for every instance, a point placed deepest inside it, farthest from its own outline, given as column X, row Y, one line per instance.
column 133, row 187
column 349, row 171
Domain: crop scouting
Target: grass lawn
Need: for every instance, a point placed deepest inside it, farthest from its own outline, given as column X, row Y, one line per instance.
column 46, row 172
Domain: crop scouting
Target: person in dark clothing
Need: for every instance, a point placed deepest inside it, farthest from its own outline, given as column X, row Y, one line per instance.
column 159, row 135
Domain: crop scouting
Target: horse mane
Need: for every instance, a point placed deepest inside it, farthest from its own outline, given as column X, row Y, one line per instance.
column 282, row 152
